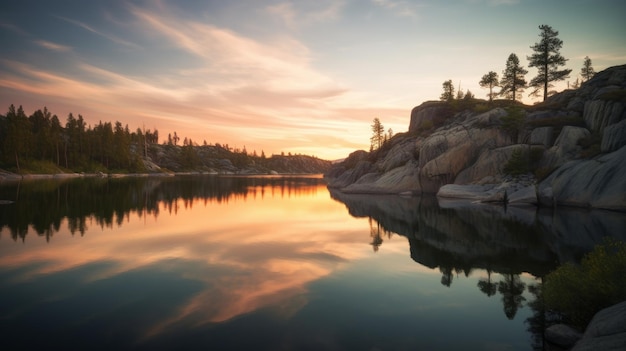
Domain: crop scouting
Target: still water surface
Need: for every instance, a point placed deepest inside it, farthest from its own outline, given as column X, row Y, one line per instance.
column 270, row 263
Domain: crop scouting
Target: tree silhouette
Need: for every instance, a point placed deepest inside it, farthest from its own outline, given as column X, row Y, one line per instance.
column 513, row 81
column 489, row 80
column 547, row 59
column 18, row 136
column 448, row 91
column 587, row 72
column 378, row 134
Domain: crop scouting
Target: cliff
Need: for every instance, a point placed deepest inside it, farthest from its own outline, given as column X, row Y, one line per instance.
column 569, row 150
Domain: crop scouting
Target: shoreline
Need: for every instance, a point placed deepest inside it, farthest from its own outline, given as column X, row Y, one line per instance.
column 14, row 177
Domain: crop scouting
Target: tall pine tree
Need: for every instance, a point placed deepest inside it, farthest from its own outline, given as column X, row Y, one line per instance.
column 513, row 82
column 547, row 59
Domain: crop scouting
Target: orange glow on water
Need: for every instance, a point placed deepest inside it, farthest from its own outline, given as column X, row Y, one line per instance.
column 250, row 251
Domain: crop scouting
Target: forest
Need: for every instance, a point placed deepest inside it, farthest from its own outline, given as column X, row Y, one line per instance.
column 41, row 144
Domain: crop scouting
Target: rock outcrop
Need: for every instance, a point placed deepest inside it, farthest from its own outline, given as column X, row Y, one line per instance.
column 574, row 140
column 607, row 330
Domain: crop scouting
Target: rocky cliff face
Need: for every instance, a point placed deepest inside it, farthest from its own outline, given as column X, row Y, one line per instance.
column 573, row 146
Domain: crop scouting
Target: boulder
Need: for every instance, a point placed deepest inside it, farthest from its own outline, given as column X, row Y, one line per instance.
column 470, row 192
column 542, row 136
column 489, row 163
column 563, row 335
column 524, row 196
column 614, row 137
column 565, row 148
column 350, row 176
column 399, row 180
column 399, row 155
column 427, row 114
column 598, row 183
column 606, row 331
column 602, row 113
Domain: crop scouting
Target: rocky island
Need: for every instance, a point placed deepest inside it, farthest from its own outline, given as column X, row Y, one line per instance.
column 569, row 150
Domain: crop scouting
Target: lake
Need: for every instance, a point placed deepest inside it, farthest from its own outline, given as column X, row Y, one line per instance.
column 273, row 263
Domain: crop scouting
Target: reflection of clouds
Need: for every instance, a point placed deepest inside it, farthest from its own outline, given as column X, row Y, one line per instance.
column 247, row 254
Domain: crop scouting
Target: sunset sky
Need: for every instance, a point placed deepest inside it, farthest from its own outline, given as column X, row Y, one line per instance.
column 295, row 76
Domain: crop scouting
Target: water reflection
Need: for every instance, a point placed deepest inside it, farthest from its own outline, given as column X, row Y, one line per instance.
column 459, row 237
column 197, row 262
column 43, row 204
column 165, row 255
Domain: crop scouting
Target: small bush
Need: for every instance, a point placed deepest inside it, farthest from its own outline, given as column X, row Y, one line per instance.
column 615, row 95
column 579, row 291
column 482, row 108
column 513, row 122
column 426, row 125
column 517, row 164
column 542, row 173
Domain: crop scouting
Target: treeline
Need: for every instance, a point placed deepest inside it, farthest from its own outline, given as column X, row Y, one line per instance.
column 546, row 57
column 40, row 143
column 74, row 145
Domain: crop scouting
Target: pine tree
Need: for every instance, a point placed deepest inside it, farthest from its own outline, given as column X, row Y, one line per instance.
column 587, row 72
column 378, row 134
column 547, row 59
column 513, row 81
column 448, row 91
column 489, row 80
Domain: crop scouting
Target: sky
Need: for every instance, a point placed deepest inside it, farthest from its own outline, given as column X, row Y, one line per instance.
column 305, row 77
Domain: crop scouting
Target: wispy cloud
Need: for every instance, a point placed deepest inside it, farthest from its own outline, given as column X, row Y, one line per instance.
column 53, row 46
column 235, row 62
column 110, row 37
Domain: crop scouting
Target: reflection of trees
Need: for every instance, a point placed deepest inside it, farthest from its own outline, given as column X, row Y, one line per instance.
column 43, row 204
column 487, row 286
column 376, row 233
column 511, row 289
column 447, row 276
column 537, row 323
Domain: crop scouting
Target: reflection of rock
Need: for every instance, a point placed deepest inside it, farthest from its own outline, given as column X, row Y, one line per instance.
column 464, row 235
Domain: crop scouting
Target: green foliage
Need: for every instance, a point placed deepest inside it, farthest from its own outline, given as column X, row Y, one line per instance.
column 547, row 59
column 482, row 108
column 542, row 173
column 426, row 125
column 587, row 72
column 448, row 91
column 523, row 161
column 513, row 122
column 579, row 291
column 489, row 80
column 24, row 141
column 378, row 134
column 517, row 164
column 513, row 81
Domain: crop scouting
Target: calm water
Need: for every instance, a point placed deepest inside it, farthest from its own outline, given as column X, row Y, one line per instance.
column 272, row 263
